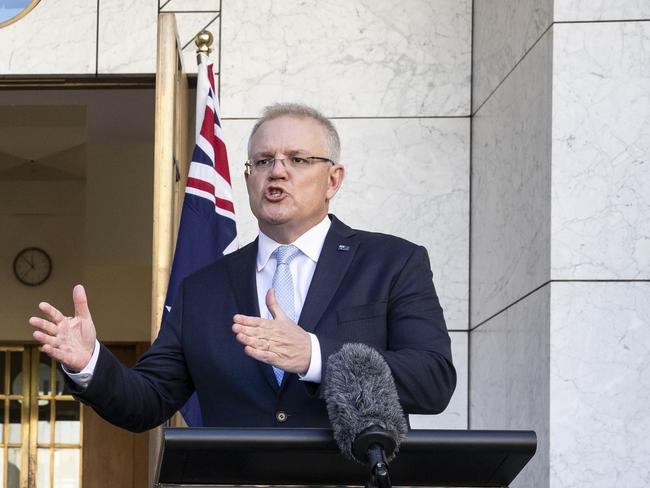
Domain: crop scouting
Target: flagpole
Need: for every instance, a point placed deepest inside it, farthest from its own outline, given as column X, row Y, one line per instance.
column 207, row 229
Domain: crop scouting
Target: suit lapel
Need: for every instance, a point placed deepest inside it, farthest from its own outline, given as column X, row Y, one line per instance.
column 335, row 258
column 242, row 277
column 242, row 274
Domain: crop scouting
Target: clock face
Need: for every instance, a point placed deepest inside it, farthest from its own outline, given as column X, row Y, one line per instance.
column 32, row 266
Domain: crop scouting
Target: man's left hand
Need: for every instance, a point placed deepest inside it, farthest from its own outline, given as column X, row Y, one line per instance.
column 279, row 342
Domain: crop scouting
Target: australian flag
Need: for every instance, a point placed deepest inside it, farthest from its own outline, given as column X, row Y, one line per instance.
column 207, row 228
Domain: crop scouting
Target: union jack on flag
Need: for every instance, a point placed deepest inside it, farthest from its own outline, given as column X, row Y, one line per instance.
column 207, row 228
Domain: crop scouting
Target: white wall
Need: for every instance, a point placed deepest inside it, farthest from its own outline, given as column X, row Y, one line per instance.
column 33, row 214
column 560, row 251
column 118, row 232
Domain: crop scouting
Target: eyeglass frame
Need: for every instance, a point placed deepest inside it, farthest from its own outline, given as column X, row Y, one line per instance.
column 250, row 164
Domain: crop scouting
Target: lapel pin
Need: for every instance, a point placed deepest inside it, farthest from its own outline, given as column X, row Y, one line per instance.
column 343, row 247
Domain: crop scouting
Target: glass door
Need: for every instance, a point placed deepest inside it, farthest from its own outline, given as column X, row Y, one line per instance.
column 14, row 414
column 42, row 429
column 56, row 427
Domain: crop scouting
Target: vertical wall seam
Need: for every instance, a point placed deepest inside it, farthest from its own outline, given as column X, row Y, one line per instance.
column 469, row 220
column 97, row 41
column 220, row 51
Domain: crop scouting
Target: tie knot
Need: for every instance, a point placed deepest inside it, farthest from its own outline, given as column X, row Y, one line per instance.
column 285, row 254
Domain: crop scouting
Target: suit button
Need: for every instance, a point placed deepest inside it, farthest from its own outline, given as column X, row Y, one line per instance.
column 281, row 416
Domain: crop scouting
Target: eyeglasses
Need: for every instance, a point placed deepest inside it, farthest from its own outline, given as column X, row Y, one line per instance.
column 265, row 165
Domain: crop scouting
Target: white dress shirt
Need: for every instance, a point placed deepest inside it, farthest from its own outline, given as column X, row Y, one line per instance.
column 302, row 271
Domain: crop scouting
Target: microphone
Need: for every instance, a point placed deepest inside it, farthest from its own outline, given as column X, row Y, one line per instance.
column 364, row 409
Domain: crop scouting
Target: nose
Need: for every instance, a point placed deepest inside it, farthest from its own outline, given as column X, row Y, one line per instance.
column 279, row 169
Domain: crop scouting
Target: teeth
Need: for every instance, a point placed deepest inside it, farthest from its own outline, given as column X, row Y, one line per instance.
column 275, row 192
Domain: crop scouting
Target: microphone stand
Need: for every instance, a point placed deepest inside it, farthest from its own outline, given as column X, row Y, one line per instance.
column 372, row 446
column 379, row 477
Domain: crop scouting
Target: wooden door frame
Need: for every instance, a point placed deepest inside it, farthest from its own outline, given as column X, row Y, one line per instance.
column 171, row 162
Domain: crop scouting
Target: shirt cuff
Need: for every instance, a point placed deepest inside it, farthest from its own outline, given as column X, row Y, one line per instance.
column 84, row 377
column 313, row 374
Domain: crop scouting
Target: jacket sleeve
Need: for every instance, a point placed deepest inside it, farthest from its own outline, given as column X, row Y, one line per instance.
column 419, row 347
column 142, row 397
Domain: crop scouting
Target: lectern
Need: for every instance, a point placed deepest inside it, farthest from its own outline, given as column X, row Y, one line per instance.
column 281, row 457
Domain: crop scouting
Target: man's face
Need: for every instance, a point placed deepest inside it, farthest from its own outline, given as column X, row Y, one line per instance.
column 289, row 201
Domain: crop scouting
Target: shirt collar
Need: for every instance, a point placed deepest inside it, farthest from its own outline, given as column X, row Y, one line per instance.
column 310, row 243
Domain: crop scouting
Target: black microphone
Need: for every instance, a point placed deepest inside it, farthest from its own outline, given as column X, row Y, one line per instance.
column 364, row 409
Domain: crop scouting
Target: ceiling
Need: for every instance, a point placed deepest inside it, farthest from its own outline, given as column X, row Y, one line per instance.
column 42, row 142
column 44, row 135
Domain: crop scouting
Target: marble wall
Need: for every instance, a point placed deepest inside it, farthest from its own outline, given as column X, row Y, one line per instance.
column 126, row 47
column 511, row 183
column 503, row 32
column 51, row 40
column 595, row 10
column 363, row 58
column 600, row 249
column 510, row 251
column 560, row 254
column 601, row 143
column 509, row 357
column 599, row 383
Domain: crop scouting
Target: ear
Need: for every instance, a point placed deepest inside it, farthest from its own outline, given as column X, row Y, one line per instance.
column 336, row 176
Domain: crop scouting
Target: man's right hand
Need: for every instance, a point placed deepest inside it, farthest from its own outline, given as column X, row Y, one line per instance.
column 69, row 340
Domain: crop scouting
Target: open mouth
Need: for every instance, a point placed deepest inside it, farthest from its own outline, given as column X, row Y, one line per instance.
column 275, row 194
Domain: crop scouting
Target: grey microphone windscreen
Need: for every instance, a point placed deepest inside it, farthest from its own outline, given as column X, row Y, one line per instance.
column 360, row 392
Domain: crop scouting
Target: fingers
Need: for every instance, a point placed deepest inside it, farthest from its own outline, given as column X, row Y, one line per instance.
column 274, row 306
column 53, row 352
column 80, row 302
column 246, row 326
column 46, row 339
column 260, row 348
column 279, row 342
column 247, row 321
column 52, row 313
column 261, row 343
column 267, row 357
column 43, row 325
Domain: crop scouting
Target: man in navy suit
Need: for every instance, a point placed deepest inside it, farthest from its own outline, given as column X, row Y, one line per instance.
column 252, row 332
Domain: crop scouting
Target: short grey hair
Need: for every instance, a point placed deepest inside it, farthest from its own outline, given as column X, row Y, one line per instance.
column 298, row 110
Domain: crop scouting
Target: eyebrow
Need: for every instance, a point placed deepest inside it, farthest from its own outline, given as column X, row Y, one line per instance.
column 271, row 154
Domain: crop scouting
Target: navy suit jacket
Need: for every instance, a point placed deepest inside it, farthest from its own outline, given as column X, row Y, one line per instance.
column 367, row 287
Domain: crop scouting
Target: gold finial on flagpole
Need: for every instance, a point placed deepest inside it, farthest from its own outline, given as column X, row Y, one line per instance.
column 203, row 41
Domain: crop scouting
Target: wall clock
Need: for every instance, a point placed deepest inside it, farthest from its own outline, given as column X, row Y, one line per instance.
column 32, row 266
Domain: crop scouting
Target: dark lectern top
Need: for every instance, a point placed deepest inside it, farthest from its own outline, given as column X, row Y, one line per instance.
column 209, row 456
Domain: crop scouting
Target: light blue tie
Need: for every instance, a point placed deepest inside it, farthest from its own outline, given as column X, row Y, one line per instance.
column 283, row 284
